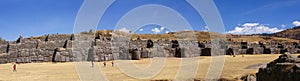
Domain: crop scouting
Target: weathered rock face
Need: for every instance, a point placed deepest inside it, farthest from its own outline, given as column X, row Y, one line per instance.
column 285, row 68
column 144, row 53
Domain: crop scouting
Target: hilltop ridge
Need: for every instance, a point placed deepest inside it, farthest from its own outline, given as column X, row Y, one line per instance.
column 292, row 33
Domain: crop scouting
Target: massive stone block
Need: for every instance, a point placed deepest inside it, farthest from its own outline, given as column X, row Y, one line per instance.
column 282, row 51
column 144, row 53
column 267, row 51
column 192, row 51
column 179, row 52
column 201, row 45
column 275, row 51
column 230, row 51
column 91, row 56
column 136, row 55
column 284, row 68
column 258, row 50
column 175, row 43
column 149, row 43
column 244, row 45
column 250, row 51
column 242, row 51
column 54, row 56
column 206, row 52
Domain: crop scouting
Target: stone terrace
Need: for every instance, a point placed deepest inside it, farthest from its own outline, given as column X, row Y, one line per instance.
column 67, row 48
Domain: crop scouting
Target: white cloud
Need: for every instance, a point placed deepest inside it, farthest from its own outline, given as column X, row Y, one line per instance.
column 124, row 30
column 283, row 26
column 162, row 28
column 141, row 30
column 250, row 24
column 296, row 23
column 167, row 31
column 157, row 30
column 206, row 28
column 254, row 28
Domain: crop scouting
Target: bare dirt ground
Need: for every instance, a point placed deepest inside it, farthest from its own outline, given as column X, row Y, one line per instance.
column 233, row 67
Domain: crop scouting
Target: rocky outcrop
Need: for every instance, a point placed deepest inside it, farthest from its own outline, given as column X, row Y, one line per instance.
column 284, row 68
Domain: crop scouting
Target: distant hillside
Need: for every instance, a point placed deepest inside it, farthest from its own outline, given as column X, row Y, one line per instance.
column 289, row 35
column 202, row 36
column 292, row 33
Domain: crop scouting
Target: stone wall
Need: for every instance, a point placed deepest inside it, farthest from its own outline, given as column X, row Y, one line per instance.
column 60, row 48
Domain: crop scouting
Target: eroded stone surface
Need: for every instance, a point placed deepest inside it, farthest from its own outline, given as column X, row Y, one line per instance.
column 284, row 68
column 100, row 48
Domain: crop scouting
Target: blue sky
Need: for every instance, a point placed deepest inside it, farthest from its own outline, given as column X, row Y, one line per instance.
column 40, row 17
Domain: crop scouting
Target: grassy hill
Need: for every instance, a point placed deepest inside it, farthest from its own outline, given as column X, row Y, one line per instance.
column 292, row 33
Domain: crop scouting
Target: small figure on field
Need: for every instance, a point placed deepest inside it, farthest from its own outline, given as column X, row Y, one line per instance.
column 104, row 63
column 14, row 68
column 112, row 63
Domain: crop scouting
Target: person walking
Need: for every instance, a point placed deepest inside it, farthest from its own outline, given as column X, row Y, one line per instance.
column 112, row 63
column 104, row 63
column 14, row 68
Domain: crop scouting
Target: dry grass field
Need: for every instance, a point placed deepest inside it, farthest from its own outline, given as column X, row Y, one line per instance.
column 234, row 67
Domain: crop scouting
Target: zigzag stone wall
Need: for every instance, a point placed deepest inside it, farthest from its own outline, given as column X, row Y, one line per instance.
column 63, row 48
